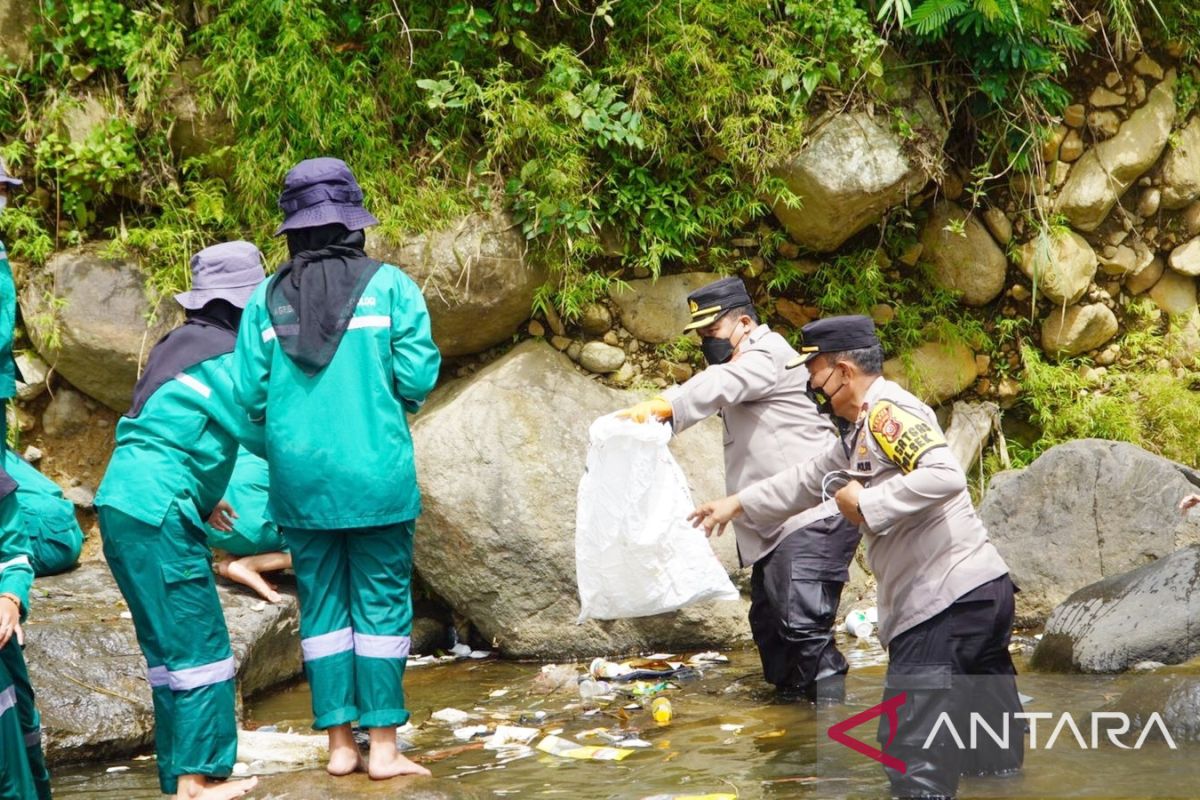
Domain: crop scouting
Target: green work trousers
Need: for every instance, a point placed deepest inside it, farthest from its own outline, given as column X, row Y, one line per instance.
column 355, row 621
column 23, row 774
column 165, row 574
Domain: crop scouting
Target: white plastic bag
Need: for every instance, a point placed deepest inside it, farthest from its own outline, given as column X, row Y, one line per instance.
column 635, row 552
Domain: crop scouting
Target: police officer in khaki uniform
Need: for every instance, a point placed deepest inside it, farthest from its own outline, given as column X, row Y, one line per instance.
column 945, row 597
column 800, row 562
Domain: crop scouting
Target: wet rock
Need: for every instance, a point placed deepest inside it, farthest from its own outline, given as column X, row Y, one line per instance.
column 657, row 311
column 498, row 543
column 1064, row 521
column 1181, row 168
column 95, row 334
column 853, row 169
column 1061, row 265
column 970, row 264
column 1103, row 174
column 1174, row 293
column 1077, row 329
column 477, row 275
column 937, row 372
column 17, row 20
column 35, row 373
column 1174, row 696
column 1146, row 614
column 596, row 319
column 65, row 414
column 91, row 678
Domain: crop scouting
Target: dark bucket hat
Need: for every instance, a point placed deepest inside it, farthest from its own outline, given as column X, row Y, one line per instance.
column 227, row 271
column 322, row 191
column 5, row 177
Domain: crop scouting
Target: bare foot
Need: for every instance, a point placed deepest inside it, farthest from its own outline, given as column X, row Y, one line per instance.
column 195, row 787
column 399, row 764
column 241, row 572
column 344, row 757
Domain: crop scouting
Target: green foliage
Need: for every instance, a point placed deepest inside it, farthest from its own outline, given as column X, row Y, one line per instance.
column 85, row 171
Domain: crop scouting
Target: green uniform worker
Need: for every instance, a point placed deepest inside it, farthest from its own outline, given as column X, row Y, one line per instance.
column 8, row 314
column 253, row 531
column 55, row 538
column 23, row 774
column 175, row 451
column 332, row 352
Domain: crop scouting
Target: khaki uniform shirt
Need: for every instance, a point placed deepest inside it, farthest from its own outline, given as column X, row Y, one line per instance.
column 925, row 543
column 770, row 424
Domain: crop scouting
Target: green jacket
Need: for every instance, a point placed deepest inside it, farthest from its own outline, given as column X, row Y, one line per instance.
column 55, row 538
column 8, row 320
column 16, row 572
column 338, row 444
column 253, row 531
column 180, row 447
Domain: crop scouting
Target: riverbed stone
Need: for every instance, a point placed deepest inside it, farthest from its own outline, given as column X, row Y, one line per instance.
column 936, row 371
column 1145, row 275
column 656, row 311
column 1174, row 293
column 596, row 319
column 852, row 169
column 601, row 358
column 34, row 373
column 1067, row 519
column 497, row 542
column 91, row 678
column 970, row 263
column 1077, row 329
column 1181, row 167
column 94, row 332
column 999, row 224
column 1146, row 614
column 1185, row 259
column 478, row 276
column 1102, row 174
column 1061, row 264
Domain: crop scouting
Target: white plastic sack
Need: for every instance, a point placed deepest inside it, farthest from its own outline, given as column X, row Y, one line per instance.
column 635, row 552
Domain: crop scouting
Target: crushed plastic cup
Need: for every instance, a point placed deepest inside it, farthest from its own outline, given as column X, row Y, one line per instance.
column 590, row 690
column 660, row 709
column 858, row 623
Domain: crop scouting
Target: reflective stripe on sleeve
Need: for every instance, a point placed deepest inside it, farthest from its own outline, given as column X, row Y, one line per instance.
column 194, row 385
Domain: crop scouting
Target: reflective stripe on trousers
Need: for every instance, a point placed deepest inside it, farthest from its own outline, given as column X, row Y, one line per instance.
column 182, row 680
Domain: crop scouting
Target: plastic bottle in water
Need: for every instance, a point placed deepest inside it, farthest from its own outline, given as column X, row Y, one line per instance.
column 590, row 690
column 660, row 709
column 858, row 624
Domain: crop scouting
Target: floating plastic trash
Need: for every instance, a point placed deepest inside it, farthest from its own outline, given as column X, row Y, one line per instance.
column 469, row 732
column 450, row 716
column 709, row 657
column 858, row 624
column 565, row 748
column 508, row 736
column 660, row 709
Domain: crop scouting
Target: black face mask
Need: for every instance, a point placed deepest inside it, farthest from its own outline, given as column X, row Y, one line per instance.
column 823, row 401
column 716, row 350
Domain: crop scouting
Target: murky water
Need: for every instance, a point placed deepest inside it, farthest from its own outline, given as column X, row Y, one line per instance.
column 729, row 734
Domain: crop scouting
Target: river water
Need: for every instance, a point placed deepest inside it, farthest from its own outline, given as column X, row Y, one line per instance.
column 729, row 735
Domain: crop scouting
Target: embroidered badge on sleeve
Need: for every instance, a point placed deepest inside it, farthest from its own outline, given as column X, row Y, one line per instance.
column 904, row 436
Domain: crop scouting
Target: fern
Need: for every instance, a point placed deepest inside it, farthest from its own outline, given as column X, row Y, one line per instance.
column 931, row 17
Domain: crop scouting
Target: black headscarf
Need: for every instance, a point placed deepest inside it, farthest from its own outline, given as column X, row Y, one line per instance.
column 313, row 296
column 208, row 332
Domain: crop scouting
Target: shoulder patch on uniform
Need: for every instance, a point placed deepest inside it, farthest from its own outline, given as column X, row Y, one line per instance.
column 904, row 436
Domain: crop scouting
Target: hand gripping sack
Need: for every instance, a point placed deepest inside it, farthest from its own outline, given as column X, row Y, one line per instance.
column 635, row 552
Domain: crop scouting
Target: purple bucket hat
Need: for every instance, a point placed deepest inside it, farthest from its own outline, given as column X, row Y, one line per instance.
column 322, row 191
column 5, row 177
column 228, row 271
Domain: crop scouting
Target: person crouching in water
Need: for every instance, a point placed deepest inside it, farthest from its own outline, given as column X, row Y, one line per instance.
column 334, row 351
column 245, row 542
column 175, row 451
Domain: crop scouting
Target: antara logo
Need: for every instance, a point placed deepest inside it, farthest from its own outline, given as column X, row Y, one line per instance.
column 1113, row 726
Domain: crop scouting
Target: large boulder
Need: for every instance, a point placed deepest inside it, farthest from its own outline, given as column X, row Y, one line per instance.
column 1102, row 175
column 91, row 678
column 656, row 311
column 970, row 263
column 497, row 530
column 934, row 372
column 1084, row 511
column 1147, row 614
column 477, row 275
column 17, row 18
column 853, row 168
column 1181, row 168
column 1077, row 329
column 1174, row 293
column 1060, row 264
column 87, row 314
